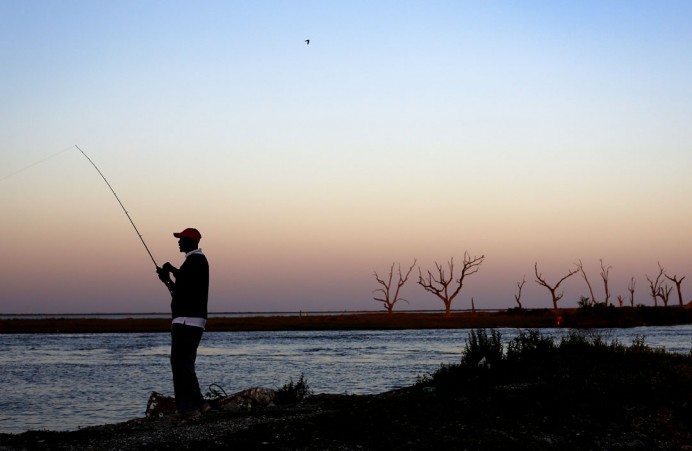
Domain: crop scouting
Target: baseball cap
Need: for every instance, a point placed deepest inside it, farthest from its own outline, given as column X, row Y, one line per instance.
column 189, row 233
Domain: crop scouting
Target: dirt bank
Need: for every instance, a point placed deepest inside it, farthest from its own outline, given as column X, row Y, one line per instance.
column 509, row 417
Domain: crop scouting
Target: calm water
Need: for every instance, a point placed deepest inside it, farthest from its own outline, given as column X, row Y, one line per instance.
column 65, row 381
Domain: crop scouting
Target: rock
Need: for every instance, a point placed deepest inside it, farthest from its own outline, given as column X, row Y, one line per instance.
column 248, row 399
column 636, row 444
column 159, row 405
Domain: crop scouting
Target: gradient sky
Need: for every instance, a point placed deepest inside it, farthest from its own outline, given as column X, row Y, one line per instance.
column 532, row 131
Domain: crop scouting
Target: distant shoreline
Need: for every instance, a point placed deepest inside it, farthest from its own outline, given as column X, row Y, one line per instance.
column 514, row 318
column 243, row 314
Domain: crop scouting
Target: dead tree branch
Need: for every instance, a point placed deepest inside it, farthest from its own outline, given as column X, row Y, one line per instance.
column 388, row 298
column 604, row 275
column 520, row 285
column 580, row 268
column 655, row 285
column 621, row 300
column 630, row 288
column 553, row 289
column 664, row 294
column 441, row 284
column 678, row 284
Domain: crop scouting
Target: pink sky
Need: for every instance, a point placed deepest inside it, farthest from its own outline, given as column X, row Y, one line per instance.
column 546, row 134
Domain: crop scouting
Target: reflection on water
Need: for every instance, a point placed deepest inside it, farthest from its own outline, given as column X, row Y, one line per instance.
column 65, row 381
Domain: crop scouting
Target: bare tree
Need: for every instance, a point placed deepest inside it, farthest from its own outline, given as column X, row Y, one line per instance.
column 621, row 300
column 388, row 298
column 520, row 285
column 580, row 268
column 664, row 294
column 655, row 285
column 604, row 275
column 553, row 289
column 630, row 288
column 678, row 283
column 440, row 285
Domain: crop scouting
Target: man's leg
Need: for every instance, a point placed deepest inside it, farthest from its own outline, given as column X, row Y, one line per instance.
column 184, row 343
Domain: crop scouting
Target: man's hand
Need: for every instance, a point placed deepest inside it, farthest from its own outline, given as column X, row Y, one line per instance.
column 164, row 274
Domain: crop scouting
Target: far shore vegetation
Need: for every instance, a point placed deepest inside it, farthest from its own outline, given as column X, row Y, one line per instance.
column 586, row 316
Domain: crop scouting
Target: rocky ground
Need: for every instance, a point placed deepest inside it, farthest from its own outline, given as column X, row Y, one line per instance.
column 517, row 417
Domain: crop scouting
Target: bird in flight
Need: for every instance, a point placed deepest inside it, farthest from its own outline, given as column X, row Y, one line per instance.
column 307, row 42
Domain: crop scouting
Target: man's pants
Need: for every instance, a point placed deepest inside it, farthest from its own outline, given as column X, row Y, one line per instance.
column 184, row 343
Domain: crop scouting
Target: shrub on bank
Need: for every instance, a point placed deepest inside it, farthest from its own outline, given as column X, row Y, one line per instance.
column 293, row 392
column 580, row 368
column 481, row 345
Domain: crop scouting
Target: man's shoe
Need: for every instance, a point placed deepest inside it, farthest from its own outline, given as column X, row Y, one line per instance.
column 190, row 415
column 204, row 408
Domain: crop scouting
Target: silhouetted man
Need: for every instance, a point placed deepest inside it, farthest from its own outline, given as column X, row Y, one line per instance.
column 189, row 293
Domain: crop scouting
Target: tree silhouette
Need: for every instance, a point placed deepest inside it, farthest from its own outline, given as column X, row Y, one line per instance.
column 520, row 285
column 442, row 286
column 630, row 288
column 621, row 300
column 655, row 285
column 553, row 289
column 388, row 298
column 664, row 294
column 678, row 283
column 580, row 267
column 604, row 275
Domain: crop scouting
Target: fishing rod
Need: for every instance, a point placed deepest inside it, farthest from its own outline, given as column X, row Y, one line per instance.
column 121, row 205
column 12, row 174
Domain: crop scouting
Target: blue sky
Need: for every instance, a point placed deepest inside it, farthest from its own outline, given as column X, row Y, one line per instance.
column 526, row 131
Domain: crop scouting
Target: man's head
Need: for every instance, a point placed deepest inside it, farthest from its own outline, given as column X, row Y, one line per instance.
column 188, row 239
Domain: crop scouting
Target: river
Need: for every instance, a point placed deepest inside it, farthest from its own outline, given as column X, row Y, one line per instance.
column 67, row 381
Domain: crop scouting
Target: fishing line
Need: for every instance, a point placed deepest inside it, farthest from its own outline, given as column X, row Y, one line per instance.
column 121, row 204
column 11, row 174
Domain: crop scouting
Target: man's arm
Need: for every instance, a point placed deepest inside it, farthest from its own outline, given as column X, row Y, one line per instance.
column 171, row 269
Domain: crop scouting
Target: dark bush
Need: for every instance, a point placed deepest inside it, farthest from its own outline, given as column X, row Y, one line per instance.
column 583, row 368
column 481, row 346
column 293, row 392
